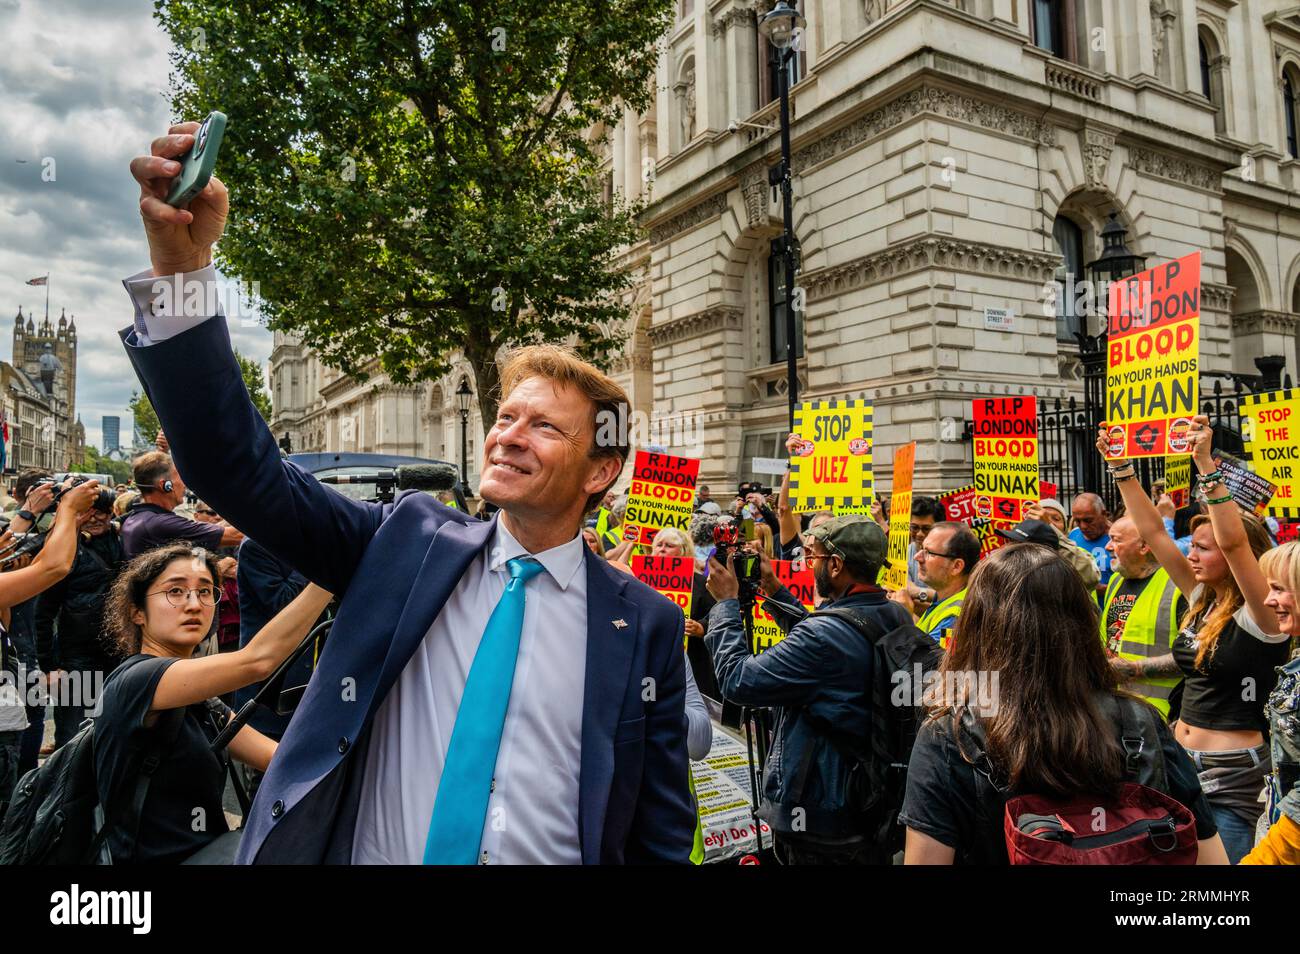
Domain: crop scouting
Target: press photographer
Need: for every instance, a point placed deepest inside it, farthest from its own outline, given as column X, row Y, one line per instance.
column 20, row 583
column 70, row 620
column 815, row 678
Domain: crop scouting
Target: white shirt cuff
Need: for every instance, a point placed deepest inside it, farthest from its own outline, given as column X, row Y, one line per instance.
column 167, row 306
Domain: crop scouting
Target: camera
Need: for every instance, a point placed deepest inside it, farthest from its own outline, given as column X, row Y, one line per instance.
column 103, row 500
column 747, row 566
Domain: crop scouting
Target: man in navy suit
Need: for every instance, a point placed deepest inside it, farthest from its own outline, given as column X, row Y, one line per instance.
column 586, row 762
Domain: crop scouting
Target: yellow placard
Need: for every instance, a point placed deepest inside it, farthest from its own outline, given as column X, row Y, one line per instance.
column 894, row 577
column 1152, row 360
column 799, row 581
column 1270, row 428
column 831, row 467
column 1006, row 456
column 1178, row 480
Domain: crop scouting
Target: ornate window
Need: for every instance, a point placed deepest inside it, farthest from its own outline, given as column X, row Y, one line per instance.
column 1052, row 22
column 1069, row 245
column 1289, row 110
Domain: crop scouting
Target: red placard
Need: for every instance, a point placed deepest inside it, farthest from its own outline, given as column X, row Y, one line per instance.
column 800, row 583
column 1006, row 456
column 662, row 494
column 670, row 575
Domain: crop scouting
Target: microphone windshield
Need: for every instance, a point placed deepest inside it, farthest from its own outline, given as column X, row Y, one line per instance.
column 440, row 476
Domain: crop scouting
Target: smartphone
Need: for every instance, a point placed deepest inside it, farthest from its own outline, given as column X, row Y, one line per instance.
column 198, row 163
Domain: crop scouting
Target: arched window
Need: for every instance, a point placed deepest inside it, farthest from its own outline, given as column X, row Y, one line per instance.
column 1213, row 75
column 1068, row 238
column 1204, row 55
column 1051, row 21
column 1288, row 111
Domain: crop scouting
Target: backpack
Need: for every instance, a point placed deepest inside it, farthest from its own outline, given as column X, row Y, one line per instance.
column 52, row 816
column 1142, row 824
column 879, row 780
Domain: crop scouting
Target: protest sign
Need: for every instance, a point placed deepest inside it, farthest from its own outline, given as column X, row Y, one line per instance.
column 670, row 575
column 1287, row 531
column 1152, row 359
column 723, row 796
column 800, row 583
column 959, row 505
column 663, row 490
column 986, row 532
column 1178, row 480
column 894, row 577
column 1251, row 491
column 832, row 464
column 1270, row 427
column 772, row 466
column 1046, row 490
column 1006, row 456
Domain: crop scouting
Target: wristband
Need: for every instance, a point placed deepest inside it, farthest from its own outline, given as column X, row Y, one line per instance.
column 1120, row 478
column 26, row 515
column 1224, row 499
column 1205, row 480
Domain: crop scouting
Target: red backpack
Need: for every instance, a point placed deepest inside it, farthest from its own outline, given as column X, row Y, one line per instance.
column 1142, row 825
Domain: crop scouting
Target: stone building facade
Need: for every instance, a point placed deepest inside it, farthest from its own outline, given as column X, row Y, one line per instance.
column 40, row 394
column 949, row 156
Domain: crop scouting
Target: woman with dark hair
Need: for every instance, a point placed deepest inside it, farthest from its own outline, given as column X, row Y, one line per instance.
column 1027, row 663
column 160, row 698
column 1230, row 643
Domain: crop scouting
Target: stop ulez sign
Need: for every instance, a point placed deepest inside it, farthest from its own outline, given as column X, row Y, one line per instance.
column 1153, row 360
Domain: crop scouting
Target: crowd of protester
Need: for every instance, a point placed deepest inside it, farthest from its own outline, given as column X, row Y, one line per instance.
column 144, row 613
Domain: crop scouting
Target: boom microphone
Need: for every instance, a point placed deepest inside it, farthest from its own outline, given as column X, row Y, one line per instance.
column 408, row 476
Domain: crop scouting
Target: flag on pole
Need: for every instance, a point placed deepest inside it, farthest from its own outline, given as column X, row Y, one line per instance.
column 38, row 281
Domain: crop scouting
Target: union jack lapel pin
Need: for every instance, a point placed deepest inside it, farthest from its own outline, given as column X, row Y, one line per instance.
column 619, row 623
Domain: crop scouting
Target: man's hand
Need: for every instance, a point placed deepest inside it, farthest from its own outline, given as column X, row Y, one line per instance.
column 161, row 443
column 694, row 628
column 227, row 567
column 878, row 514
column 39, row 498
column 722, row 583
column 180, row 240
column 78, row 499
column 1034, row 511
column 1165, row 506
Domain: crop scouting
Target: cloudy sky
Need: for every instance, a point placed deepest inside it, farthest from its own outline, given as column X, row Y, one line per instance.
column 83, row 83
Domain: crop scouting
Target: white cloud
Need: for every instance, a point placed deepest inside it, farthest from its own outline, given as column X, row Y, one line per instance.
column 84, row 83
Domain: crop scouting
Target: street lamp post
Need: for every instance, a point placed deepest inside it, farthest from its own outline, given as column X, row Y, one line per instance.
column 780, row 27
column 1115, row 264
column 463, row 395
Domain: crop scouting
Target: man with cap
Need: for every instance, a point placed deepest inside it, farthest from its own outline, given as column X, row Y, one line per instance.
column 815, row 678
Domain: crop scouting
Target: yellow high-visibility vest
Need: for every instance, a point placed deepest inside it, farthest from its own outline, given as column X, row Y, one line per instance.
column 1149, row 631
column 943, row 617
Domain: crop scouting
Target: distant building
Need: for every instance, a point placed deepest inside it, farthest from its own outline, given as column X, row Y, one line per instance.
column 111, row 429
column 39, row 392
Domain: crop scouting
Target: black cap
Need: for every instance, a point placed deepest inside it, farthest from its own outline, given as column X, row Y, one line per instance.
column 1031, row 531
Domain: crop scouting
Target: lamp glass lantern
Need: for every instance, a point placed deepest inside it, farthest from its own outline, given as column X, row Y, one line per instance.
column 463, row 395
column 780, row 23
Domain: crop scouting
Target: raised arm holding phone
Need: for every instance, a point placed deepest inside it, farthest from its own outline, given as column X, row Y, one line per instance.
column 437, row 606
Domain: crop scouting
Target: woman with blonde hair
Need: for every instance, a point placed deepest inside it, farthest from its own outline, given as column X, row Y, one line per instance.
column 1230, row 641
column 1281, row 844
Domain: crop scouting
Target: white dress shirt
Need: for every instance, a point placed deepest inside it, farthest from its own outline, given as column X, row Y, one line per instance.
column 533, row 810
column 532, row 815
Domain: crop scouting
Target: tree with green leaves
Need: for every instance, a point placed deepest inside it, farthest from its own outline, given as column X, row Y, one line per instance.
column 96, row 463
column 256, row 384
column 142, row 412
column 414, row 177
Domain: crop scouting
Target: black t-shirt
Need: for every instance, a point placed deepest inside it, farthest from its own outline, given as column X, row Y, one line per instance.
column 1228, row 693
column 1121, row 606
column 186, row 789
column 145, row 526
column 945, row 801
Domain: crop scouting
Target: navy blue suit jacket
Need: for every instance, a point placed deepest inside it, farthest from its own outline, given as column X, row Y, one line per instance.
column 395, row 566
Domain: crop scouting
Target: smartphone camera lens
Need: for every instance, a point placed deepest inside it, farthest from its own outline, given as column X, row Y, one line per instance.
column 201, row 139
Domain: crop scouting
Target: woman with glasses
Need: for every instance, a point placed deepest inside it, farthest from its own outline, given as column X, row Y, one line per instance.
column 158, row 706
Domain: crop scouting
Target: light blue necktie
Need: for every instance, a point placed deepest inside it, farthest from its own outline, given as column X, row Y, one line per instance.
column 456, row 826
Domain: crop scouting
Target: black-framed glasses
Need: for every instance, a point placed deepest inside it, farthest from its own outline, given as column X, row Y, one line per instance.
column 928, row 552
column 179, row 595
